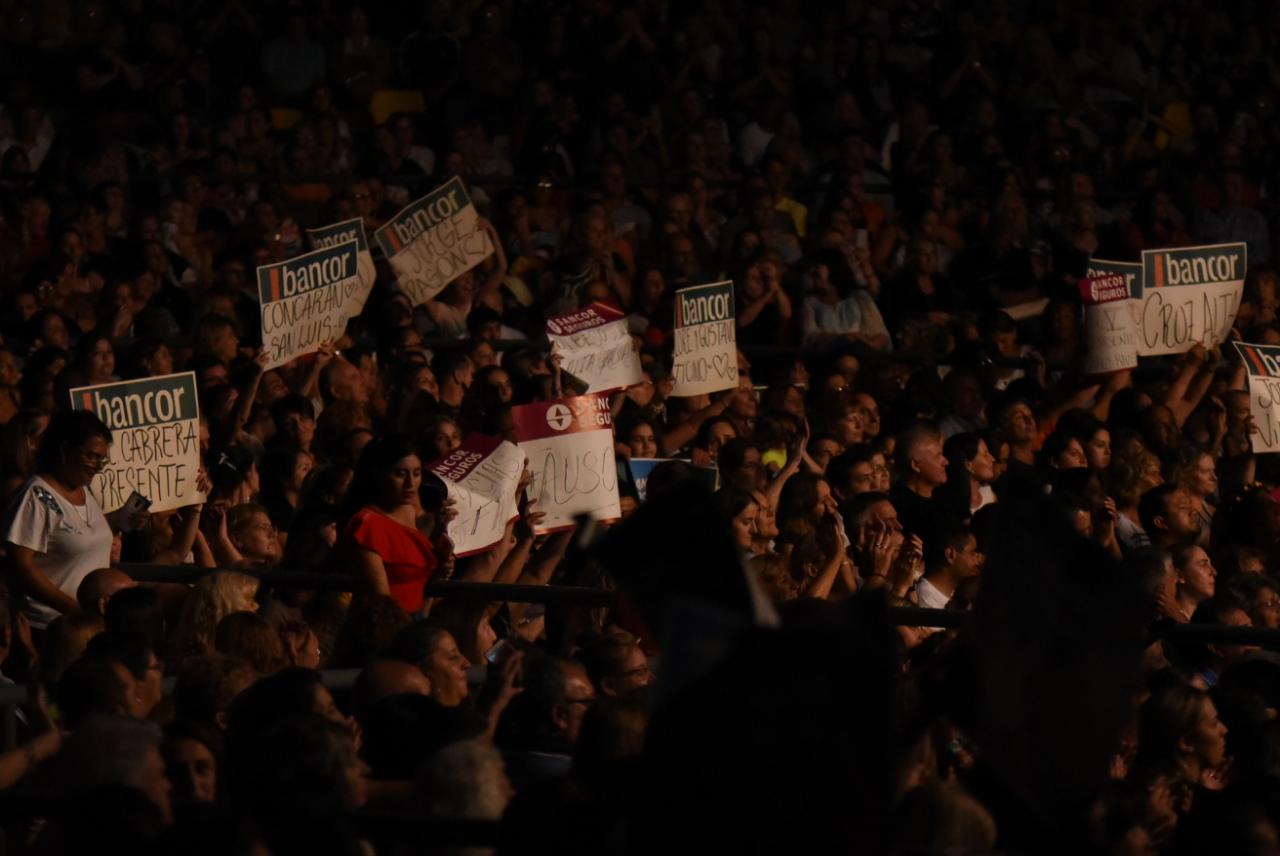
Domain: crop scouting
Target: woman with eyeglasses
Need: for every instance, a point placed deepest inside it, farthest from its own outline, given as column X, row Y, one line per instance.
column 55, row 531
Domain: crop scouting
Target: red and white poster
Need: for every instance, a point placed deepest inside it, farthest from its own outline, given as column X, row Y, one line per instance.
column 1111, row 330
column 481, row 476
column 569, row 444
column 594, row 345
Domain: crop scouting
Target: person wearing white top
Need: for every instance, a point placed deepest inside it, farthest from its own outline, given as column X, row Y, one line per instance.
column 55, row 530
column 952, row 557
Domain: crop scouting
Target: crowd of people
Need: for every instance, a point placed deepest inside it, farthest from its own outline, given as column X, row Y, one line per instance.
column 905, row 196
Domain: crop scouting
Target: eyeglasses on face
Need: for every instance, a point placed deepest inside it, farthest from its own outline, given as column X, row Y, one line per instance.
column 93, row 459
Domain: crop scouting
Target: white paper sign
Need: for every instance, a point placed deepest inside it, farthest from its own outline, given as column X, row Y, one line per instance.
column 1263, row 363
column 305, row 300
column 481, row 476
column 155, row 440
column 366, row 273
column 595, row 345
column 1190, row 295
column 570, row 448
column 706, row 340
column 433, row 241
column 1111, row 336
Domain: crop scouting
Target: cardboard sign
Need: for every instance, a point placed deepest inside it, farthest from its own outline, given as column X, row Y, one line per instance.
column 706, row 340
column 481, row 476
column 350, row 230
column 570, row 447
column 433, row 241
column 640, row 470
column 595, row 345
column 1263, row 363
column 1111, row 337
column 155, row 440
column 305, row 300
column 1189, row 295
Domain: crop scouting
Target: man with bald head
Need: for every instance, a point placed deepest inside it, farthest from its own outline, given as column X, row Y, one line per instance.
column 99, row 586
column 382, row 678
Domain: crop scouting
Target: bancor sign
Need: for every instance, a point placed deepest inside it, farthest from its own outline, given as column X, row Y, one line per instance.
column 1190, row 295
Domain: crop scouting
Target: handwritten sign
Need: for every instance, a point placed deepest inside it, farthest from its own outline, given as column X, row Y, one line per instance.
column 1189, row 295
column 570, row 447
column 481, row 476
column 305, row 299
column 706, row 343
column 1263, row 363
column 594, row 345
column 433, row 241
column 1111, row 336
column 350, row 230
column 155, row 440
column 640, row 470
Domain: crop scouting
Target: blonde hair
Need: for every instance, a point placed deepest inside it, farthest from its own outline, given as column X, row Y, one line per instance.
column 213, row 598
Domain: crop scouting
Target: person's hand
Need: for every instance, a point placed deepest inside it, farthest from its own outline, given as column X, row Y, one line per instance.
column 500, row 684
column 700, row 457
column 533, row 518
column 1117, row 381
column 203, row 484
column 448, row 511
column 526, row 478
column 446, row 558
column 879, row 546
column 1085, row 396
column 22, row 633
column 325, row 355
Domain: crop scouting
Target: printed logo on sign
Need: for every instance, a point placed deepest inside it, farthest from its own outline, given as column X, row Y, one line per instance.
column 1131, row 271
column 559, row 417
column 704, row 305
column 308, row 272
column 141, row 402
column 347, row 230
column 1194, row 266
column 1262, row 360
column 432, row 209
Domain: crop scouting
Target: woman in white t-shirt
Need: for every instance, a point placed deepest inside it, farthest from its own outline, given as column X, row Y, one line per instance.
column 54, row 529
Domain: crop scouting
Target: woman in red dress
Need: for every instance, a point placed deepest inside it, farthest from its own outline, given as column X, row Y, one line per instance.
column 382, row 542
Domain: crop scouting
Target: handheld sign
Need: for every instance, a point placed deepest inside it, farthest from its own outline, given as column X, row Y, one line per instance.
column 570, row 447
column 155, row 440
column 706, row 340
column 1263, row 363
column 640, row 470
column 594, row 345
column 1111, row 337
column 433, row 241
column 366, row 273
column 481, row 476
column 1190, row 295
column 305, row 299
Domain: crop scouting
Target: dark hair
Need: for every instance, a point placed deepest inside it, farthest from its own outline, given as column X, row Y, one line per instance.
column 91, row 686
column 1171, row 713
column 131, row 650
column 732, row 501
column 795, row 506
column 415, row 642
column 68, row 428
column 1152, row 505
column 372, row 622
column 462, row 618
column 841, row 466
column 375, row 462
column 290, row 404
column 946, row 534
